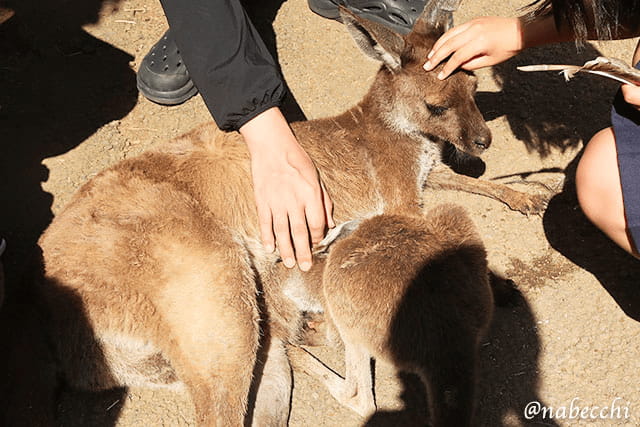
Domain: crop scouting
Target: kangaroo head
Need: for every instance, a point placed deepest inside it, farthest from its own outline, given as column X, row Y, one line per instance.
column 411, row 100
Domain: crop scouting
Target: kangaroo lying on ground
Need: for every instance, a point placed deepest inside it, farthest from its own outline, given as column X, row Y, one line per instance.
column 154, row 274
column 412, row 291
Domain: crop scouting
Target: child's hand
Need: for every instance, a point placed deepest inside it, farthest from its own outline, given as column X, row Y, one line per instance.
column 481, row 42
column 631, row 94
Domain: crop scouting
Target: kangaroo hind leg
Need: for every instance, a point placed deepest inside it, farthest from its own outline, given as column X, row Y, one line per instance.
column 210, row 329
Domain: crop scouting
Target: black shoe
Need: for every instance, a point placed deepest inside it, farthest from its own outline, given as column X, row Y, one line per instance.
column 162, row 76
column 395, row 14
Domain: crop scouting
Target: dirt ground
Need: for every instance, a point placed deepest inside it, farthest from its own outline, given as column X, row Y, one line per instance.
column 69, row 108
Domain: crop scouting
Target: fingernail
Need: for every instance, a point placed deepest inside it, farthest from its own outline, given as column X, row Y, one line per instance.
column 441, row 75
column 427, row 65
column 305, row 266
column 269, row 248
column 289, row 262
column 332, row 223
column 430, row 55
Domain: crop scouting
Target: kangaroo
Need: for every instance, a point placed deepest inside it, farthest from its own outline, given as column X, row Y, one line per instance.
column 154, row 274
column 412, row 291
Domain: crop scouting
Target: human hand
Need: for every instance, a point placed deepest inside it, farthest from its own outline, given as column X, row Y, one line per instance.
column 293, row 206
column 631, row 94
column 481, row 42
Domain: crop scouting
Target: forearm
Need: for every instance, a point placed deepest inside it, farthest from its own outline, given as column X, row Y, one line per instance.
column 542, row 31
column 268, row 134
column 226, row 58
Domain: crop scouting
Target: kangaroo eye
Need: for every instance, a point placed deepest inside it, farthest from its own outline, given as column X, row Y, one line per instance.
column 436, row 110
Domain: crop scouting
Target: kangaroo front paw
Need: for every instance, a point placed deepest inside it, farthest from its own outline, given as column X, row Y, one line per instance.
column 529, row 204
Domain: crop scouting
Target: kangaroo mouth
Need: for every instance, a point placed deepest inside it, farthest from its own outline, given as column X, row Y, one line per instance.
column 474, row 148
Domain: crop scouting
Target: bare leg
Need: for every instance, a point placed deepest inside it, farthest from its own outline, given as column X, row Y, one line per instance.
column 444, row 178
column 599, row 189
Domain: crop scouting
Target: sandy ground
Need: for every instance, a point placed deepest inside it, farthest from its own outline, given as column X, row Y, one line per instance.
column 69, row 108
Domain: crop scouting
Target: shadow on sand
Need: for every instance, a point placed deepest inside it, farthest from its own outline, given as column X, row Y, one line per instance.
column 507, row 380
column 548, row 114
column 59, row 85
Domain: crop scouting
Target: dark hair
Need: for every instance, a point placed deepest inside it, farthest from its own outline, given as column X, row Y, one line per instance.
column 607, row 19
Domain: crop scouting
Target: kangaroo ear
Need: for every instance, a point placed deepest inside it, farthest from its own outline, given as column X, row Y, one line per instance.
column 375, row 40
column 437, row 16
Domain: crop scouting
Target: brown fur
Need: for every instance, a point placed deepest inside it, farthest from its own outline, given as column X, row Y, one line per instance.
column 154, row 273
column 414, row 292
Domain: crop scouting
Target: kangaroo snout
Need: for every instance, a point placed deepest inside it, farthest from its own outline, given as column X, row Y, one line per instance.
column 476, row 142
column 482, row 142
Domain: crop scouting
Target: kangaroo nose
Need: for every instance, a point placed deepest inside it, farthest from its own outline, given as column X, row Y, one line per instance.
column 483, row 142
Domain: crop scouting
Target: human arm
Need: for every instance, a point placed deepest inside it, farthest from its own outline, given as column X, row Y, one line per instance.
column 290, row 197
column 490, row 40
column 242, row 87
column 631, row 94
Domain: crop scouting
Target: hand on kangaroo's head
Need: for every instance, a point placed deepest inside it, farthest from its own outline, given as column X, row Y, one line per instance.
column 417, row 102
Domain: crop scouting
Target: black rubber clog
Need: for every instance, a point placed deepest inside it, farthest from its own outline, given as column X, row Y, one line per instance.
column 162, row 76
column 399, row 15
